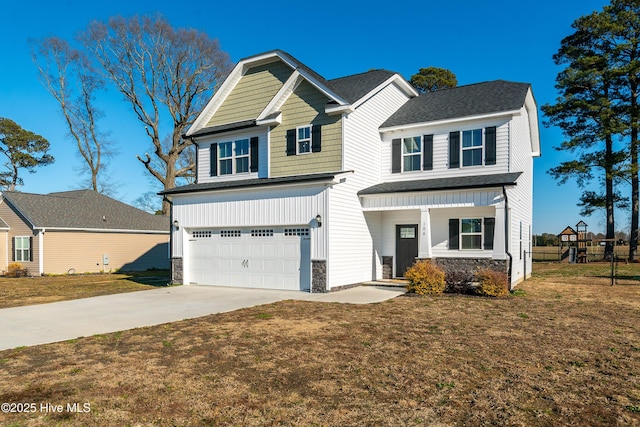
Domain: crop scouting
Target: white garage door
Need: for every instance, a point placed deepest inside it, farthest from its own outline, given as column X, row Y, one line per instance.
column 270, row 258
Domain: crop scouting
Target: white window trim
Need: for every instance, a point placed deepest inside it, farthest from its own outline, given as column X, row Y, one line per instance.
column 298, row 141
column 419, row 153
column 481, row 147
column 481, row 233
column 234, row 157
column 29, row 249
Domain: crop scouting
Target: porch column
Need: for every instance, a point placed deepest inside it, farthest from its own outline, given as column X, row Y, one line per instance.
column 424, row 240
column 499, row 233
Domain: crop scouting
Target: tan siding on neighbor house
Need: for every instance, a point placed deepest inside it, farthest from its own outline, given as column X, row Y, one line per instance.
column 306, row 106
column 252, row 93
column 83, row 251
column 17, row 227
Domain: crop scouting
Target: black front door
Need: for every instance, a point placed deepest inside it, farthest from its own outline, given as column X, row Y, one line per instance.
column 406, row 247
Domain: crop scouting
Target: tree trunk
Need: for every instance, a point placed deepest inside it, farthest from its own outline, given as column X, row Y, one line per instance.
column 609, row 195
column 633, row 148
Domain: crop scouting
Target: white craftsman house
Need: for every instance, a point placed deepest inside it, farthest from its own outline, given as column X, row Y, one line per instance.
column 312, row 184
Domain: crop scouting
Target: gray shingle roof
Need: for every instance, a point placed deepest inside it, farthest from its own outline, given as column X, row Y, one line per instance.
column 83, row 209
column 255, row 182
column 455, row 183
column 354, row 87
column 463, row 101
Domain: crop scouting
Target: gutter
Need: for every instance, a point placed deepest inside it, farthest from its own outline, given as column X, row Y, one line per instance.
column 168, row 200
column 506, row 233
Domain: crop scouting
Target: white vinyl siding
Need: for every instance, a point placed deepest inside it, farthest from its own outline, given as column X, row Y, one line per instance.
column 351, row 249
column 441, row 151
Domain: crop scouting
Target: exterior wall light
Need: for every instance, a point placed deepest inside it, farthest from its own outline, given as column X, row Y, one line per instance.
column 319, row 220
column 176, row 224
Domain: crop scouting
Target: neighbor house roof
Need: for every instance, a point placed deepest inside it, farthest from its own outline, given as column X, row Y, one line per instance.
column 356, row 86
column 463, row 101
column 255, row 182
column 82, row 210
column 433, row 184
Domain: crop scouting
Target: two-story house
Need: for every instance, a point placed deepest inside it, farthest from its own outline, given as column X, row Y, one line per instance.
column 312, row 184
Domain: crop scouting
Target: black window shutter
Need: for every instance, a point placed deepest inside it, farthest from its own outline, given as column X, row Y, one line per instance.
column 396, row 156
column 316, row 138
column 213, row 160
column 454, row 233
column 427, row 155
column 489, row 227
column 13, row 249
column 253, row 151
column 291, row 142
column 31, row 249
column 454, row 150
column 490, row 144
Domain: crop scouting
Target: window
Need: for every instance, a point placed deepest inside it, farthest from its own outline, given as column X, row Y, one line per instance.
column 261, row 232
column 411, row 154
column 303, row 139
column 201, row 234
column 22, row 248
column 472, row 147
column 476, row 149
column 471, row 233
column 230, row 233
column 233, row 157
column 296, row 231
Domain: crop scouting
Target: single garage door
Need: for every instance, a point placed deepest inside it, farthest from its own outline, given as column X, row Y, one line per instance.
column 269, row 258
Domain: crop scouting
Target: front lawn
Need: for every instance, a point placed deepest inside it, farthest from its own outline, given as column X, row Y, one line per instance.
column 565, row 351
column 44, row 289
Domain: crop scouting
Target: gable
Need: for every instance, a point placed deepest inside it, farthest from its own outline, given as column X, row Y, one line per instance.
column 306, row 106
column 252, row 93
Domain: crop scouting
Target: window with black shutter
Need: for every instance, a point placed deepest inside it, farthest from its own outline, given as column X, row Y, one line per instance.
column 396, row 156
column 489, row 228
column 427, row 155
column 454, row 233
column 454, row 150
column 490, row 145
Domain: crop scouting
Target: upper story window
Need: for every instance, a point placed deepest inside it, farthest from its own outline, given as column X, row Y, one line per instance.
column 234, row 157
column 413, row 153
column 478, row 147
column 303, row 139
column 472, row 147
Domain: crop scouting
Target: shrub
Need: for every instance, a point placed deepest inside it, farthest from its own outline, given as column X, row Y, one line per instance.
column 425, row 278
column 458, row 281
column 15, row 269
column 492, row 283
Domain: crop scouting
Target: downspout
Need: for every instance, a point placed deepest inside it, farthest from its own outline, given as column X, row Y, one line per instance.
column 506, row 233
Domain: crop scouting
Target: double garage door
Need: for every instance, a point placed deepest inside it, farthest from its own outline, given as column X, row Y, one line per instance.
column 268, row 258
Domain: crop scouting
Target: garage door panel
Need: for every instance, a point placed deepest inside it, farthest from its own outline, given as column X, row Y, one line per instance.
column 259, row 258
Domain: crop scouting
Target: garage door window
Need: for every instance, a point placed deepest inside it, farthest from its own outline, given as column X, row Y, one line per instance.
column 296, row 231
column 201, row 234
column 262, row 232
column 230, row 233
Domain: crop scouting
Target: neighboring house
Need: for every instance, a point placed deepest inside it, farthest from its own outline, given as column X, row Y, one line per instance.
column 304, row 183
column 79, row 231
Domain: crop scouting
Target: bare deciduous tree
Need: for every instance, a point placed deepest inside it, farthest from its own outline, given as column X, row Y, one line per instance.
column 166, row 74
column 68, row 75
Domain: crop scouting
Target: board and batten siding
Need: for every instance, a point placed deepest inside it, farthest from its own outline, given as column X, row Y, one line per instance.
column 306, row 106
column 441, row 151
column 262, row 207
column 82, row 251
column 252, row 93
column 351, row 241
column 18, row 227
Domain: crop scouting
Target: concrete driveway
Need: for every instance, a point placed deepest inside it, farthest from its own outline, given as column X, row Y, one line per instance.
column 61, row 321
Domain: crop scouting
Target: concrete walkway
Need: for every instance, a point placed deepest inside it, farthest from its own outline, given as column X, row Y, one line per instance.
column 61, row 321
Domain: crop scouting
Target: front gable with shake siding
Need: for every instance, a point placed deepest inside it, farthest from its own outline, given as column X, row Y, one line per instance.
column 311, row 184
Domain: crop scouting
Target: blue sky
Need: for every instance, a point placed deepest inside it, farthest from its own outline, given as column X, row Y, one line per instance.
column 478, row 41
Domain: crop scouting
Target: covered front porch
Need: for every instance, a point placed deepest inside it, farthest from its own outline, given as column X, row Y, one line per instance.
column 469, row 227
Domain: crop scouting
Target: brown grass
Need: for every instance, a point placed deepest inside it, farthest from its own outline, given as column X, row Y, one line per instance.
column 566, row 352
column 44, row 289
